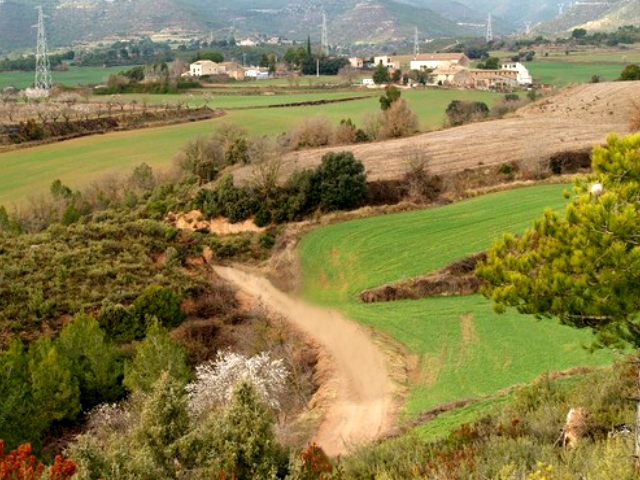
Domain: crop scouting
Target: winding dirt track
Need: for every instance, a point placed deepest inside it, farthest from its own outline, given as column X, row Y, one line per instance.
column 577, row 118
column 361, row 407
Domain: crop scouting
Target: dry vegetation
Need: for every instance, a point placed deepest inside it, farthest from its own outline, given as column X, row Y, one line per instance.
column 577, row 118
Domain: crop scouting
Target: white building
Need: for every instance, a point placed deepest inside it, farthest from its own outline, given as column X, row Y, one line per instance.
column 356, row 62
column 257, row 74
column 524, row 77
column 384, row 60
column 206, row 67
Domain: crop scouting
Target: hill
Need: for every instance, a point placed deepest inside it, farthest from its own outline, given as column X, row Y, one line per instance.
column 574, row 120
column 595, row 16
column 352, row 21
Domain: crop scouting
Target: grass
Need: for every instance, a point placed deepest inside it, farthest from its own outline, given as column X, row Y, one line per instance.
column 76, row 162
column 560, row 73
column 463, row 348
column 72, row 77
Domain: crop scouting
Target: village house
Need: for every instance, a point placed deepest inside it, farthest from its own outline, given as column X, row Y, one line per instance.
column 356, row 62
column 431, row 61
column 257, row 74
column 493, row 79
column 524, row 77
column 384, row 60
column 206, row 67
column 450, row 76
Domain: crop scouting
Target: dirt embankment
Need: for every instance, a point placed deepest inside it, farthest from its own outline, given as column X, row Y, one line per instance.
column 575, row 119
column 357, row 396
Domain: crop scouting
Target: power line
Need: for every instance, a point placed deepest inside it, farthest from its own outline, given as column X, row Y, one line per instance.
column 43, row 68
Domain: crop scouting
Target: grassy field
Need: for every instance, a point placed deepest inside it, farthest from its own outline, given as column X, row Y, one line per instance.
column 464, row 349
column 72, row 77
column 563, row 73
column 76, row 162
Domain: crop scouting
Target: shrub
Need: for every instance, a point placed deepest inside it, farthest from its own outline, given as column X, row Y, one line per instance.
column 120, row 324
column 312, row 133
column 160, row 303
column 460, row 112
column 155, row 355
column 203, row 157
column 399, row 120
column 340, row 181
column 391, row 95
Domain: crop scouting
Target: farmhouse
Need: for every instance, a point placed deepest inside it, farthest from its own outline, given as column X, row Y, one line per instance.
column 206, row 67
column 384, row 60
column 356, row 62
column 450, row 75
column 486, row 79
column 432, row 61
column 524, row 77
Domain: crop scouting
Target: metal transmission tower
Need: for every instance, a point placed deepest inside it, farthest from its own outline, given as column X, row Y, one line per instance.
column 560, row 8
column 489, row 37
column 325, row 34
column 416, row 45
column 43, row 70
column 527, row 27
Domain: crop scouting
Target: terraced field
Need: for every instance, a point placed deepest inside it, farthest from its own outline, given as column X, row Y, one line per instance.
column 461, row 348
column 77, row 162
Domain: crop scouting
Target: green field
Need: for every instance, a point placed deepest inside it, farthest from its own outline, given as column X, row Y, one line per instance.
column 464, row 349
column 76, row 162
column 72, row 77
column 560, row 74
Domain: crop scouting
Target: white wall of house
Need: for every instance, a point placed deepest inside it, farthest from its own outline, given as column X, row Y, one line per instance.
column 524, row 77
column 385, row 60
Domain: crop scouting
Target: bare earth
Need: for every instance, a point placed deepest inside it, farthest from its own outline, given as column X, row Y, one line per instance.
column 577, row 118
column 360, row 403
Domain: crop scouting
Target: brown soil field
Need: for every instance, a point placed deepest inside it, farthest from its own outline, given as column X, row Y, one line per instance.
column 576, row 118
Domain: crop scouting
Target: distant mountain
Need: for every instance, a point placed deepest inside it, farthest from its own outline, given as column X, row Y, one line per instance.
column 349, row 21
column 595, row 16
column 517, row 11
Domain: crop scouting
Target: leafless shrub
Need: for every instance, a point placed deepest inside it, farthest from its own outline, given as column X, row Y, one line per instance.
column 313, row 132
column 634, row 117
column 399, row 120
column 265, row 175
column 422, row 185
column 503, row 107
column 345, row 133
column 372, row 125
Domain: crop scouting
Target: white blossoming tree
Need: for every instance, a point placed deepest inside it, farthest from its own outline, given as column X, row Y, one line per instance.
column 217, row 380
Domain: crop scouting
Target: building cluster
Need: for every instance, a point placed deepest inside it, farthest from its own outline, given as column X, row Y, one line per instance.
column 454, row 70
column 231, row 69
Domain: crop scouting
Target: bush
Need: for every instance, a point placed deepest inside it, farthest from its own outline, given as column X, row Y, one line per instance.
column 120, row 324
column 460, row 112
column 340, row 181
column 399, row 120
column 158, row 353
column 160, row 303
column 312, row 133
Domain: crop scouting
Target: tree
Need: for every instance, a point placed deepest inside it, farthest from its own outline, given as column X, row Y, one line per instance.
column 156, row 354
column 578, row 33
column 381, row 75
column 340, row 181
column 161, row 303
column 245, row 442
column 491, row 63
column 391, row 94
column 630, row 72
column 583, row 268
column 94, row 362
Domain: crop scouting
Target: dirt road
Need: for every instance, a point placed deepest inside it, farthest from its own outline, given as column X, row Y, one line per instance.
column 360, row 406
column 575, row 119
